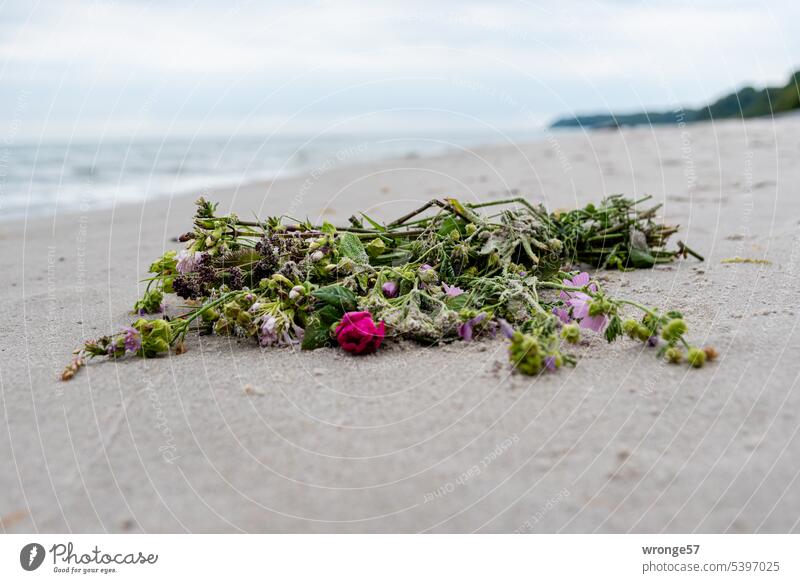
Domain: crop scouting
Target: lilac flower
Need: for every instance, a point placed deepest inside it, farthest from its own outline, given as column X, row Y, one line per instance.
column 288, row 340
column 268, row 336
column 579, row 280
column 506, row 328
column 562, row 314
column 578, row 302
column 550, row 363
column 465, row 329
column 270, row 333
column 133, row 339
column 187, row 261
column 452, row 291
column 390, row 289
column 425, row 267
column 580, row 311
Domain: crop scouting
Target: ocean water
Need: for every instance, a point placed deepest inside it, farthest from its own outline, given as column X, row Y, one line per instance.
column 47, row 178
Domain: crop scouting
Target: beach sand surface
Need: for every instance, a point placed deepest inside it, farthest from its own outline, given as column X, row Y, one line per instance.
column 435, row 439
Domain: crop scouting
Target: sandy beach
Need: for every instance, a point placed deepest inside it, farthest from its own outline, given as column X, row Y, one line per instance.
column 233, row 438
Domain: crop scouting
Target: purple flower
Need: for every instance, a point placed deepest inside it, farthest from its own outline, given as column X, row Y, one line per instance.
column 580, row 280
column 270, row 333
column 452, row 291
column 578, row 302
column 288, row 340
column 652, row 341
column 268, row 336
column 357, row 333
column 550, row 363
column 465, row 330
column 133, row 339
column 562, row 314
column 425, row 267
column 187, row 260
column 390, row 289
column 506, row 328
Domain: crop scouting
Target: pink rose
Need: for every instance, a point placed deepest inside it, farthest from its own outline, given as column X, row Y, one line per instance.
column 358, row 334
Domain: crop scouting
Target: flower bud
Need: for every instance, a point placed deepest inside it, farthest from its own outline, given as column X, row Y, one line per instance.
column 296, row 292
column 630, row 327
column 231, row 310
column 210, row 315
column 595, row 308
column 346, row 265
column 317, row 256
column 571, row 333
column 281, row 279
column 696, row 357
column 376, row 247
column 427, row 274
column 673, row 354
column 673, row 330
column 711, row 353
column 525, row 354
column 223, row 327
column 471, row 229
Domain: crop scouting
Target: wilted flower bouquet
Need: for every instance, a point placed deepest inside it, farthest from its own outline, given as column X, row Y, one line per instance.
column 446, row 271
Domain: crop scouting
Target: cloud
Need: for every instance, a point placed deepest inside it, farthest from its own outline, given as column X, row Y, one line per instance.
column 553, row 55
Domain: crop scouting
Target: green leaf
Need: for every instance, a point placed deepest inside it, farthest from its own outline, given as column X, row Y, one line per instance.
column 316, row 335
column 328, row 228
column 641, row 258
column 363, row 281
column 337, row 296
column 448, row 225
column 446, row 269
column 457, row 303
column 328, row 315
column 375, row 225
column 614, row 328
column 350, row 246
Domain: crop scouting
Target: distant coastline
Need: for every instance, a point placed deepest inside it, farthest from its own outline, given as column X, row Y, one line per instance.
column 748, row 102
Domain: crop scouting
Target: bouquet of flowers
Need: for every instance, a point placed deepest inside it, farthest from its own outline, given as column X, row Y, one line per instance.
column 447, row 271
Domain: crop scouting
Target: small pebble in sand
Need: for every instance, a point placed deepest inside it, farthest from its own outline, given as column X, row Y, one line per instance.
column 252, row 391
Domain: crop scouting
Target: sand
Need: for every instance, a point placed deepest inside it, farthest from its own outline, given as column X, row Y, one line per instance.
column 230, row 438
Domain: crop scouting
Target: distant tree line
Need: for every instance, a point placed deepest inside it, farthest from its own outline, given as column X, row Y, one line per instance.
column 745, row 103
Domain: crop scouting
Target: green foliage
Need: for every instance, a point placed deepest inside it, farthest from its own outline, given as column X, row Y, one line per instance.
column 338, row 297
column 745, row 103
column 350, row 246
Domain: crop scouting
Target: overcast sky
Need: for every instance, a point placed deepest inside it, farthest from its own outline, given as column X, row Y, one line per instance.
column 89, row 69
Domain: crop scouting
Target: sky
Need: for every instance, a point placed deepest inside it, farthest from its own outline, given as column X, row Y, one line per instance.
column 83, row 69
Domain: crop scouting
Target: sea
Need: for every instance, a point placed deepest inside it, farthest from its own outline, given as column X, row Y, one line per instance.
column 45, row 178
